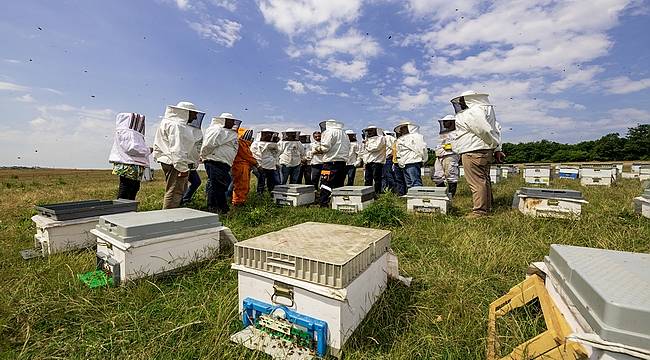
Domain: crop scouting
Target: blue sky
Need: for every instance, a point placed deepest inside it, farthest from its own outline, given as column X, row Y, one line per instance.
column 559, row 70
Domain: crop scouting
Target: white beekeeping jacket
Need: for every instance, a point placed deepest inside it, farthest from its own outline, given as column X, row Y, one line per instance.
column 291, row 153
column 129, row 146
column 219, row 144
column 334, row 143
column 265, row 152
column 411, row 147
column 353, row 154
column 390, row 141
column 477, row 127
column 176, row 140
column 375, row 149
column 315, row 159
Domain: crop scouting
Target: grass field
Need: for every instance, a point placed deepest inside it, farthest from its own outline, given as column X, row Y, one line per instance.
column 459, row 266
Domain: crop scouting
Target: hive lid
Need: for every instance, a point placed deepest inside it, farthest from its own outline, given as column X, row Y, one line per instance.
column 353, row 190
column 427, row 191
column 294, row 188
column 86, row 208
column 610, row 289
column 538, row 166
column 597, row 166
column 551, row 193
column 132, row 227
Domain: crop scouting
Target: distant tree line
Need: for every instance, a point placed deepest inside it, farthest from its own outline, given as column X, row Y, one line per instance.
column 611, row 147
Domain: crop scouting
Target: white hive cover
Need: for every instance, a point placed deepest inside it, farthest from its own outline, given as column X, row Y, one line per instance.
column 610, row 289
column 326, row 254
column 293, row 188
column 427, row 191
column 130, row 227
column 551, row 193
column 353, row 190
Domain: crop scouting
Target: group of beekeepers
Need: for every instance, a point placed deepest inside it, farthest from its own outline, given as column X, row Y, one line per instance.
column 392, row 161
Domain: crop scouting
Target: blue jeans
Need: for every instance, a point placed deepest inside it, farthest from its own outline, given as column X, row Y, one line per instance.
column 267, row 177
column 290, row 174
column 413, row 175
column 388, row 176
column 194, row 182
column 351, row 173
column 217, row 187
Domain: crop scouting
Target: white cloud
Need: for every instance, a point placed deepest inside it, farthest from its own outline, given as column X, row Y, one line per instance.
column 229, row 5
column 12, row 61
column 27, row 98
column 183, row 4
column 442, row 9
column 351, row 43
column 625, row 85
column 407, row 101
column 295, row 87
column 7, row 86
column 222, row 31
column 295, row 16
column 347, row 71
column 313, row 76
column 581, row 76
column 412, row 75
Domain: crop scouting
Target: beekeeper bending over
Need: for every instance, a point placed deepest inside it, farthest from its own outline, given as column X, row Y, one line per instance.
column 129, row 154
column 374, row 157
column 176, row 138
column 291, row 154
column 334, row 146
column 446, row 170
column 266, row 150
column 218, row 152
column 411, row 152
column 241, row 167
column 478, row 141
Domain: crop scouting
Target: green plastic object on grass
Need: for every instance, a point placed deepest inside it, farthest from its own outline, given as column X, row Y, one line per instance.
column 96, row 278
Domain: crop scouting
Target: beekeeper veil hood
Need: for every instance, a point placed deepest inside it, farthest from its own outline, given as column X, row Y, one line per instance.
column 447, row 124
column 290, row 135
column 267, row 135
column 305, row 139
column 185, row 112
column 371, row 131
column 330, row 124
column 405, row 128
column 245, row 134
column 469, row 99
column 131, row 121
column 227, row 121
column 351, row 135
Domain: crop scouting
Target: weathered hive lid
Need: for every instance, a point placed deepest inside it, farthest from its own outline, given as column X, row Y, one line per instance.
column 353, row 191
column 427, row 191
column 537, row 165
column 326, row 254
column 610, row 289
column 595, row 166
column 86, row 208
column 293, row 188
column 132, row 227
column 551, row 193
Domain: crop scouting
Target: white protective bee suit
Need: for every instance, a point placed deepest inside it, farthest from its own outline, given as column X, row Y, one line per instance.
column 291, row 154
column 446, row 170
column 220, row 143
column 265, row 150
column 174, row 147
column 478, row 136
column 374, row 157
column 129, row 146
column 335, row 147
column 177, row 136
column 410, row 145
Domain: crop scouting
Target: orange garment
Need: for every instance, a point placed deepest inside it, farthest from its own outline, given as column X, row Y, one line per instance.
column 241, row 170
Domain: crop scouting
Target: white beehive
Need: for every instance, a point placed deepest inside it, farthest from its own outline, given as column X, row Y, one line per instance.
column 556, row 203
column 642, row 204
column 352, row 198
column 537, row 174
column 135, row 245
column 66, row 226
column 293, row 194
column 495, row 174
column 603, row 175
column 569, row 172
column 608, row 292
column 644, row 172
column 507, row 171
column 424, row 199
column 636, row 167
column 329, row 272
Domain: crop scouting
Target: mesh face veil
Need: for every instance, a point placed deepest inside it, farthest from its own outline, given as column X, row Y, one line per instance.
column 290, row 136
column 447, row 124
column 352, row 137
column 232, row 124
column 323, row 126
column 459, row 104
column 305, row 139
column 267, row 136
column 370, row 132
column 401, row 130
column 137, row 123
column 195, row 118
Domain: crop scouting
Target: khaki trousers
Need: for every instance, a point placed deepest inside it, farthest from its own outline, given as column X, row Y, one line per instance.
column 174, row 187
column 477, row 172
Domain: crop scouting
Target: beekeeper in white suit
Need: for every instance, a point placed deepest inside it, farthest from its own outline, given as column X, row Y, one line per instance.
column 446, row 170
column 129, row 154
column 218, row 152
column 291, row 155
column 478, row 141
column 353, row 158
column 174, row 147
column 335, row 147
column 411, row 152
column 265, row 150
column 374, row 157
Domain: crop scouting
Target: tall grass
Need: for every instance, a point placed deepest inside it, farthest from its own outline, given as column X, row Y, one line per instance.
column 459, row 266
